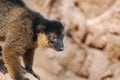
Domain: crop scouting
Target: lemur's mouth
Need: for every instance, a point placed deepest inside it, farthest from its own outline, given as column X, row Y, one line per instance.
column 58, row 48
column 61, row 49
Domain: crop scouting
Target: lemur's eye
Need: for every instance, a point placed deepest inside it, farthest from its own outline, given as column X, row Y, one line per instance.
column 40, row 29
column 52, row 37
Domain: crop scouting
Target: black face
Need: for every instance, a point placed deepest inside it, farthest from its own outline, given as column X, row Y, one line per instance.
column 54, row 31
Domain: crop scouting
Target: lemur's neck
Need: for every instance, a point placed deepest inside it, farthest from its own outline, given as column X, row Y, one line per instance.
column 38, row 19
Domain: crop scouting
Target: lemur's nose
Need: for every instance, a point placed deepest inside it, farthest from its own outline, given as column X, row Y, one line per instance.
column 61, row 49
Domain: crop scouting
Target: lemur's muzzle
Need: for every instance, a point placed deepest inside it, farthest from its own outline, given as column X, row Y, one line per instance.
column 58, row 45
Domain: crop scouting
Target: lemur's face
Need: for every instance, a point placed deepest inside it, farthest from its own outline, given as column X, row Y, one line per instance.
column 50, row 34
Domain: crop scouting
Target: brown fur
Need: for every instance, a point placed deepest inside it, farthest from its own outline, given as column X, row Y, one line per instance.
column 12, row 62
column 15, row 27
column 21, row 31
column 42, row 41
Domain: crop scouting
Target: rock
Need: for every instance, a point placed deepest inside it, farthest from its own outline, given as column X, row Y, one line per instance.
column 92, row 35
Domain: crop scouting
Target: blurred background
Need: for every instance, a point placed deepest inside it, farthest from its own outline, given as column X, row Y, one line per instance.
column 92, row 40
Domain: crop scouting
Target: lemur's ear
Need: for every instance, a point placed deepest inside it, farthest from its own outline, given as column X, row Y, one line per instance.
column 63, row 23
column 40, row 29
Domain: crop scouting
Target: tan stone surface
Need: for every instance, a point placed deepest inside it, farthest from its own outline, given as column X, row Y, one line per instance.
column 92, row 40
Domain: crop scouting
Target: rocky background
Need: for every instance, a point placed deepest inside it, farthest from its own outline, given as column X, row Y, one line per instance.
column 92, row 40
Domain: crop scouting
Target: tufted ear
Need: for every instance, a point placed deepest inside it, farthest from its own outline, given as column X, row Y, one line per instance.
column 40, row 29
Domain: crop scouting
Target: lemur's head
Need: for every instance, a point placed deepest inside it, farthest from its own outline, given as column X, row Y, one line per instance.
column 50, row 34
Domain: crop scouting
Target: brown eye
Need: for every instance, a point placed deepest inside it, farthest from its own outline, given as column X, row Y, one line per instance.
column 52, row 37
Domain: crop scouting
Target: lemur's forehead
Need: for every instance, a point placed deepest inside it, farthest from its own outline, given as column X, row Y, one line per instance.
column 54, row 27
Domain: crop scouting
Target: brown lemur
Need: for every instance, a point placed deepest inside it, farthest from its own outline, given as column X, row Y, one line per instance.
column 23, row 30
